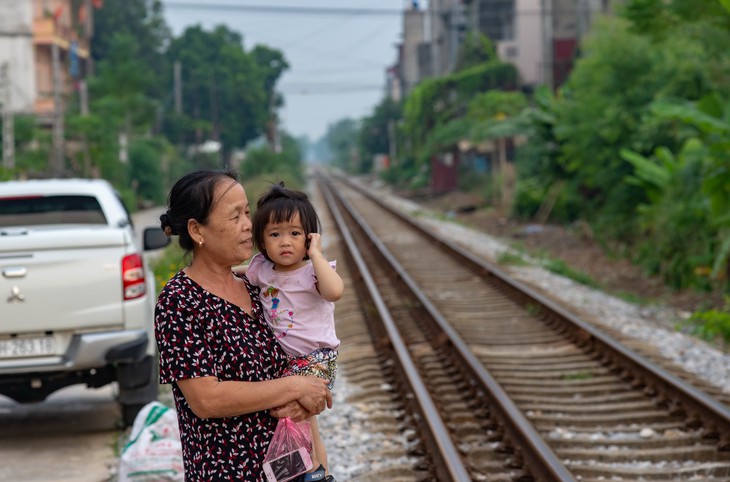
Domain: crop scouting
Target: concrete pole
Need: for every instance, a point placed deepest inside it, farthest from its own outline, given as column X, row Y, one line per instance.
column 57, row 164
column 177, row 76
column 8, row 127
column 547, row 43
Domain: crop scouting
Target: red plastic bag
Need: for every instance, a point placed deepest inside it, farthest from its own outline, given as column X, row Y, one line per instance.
column 290, row 451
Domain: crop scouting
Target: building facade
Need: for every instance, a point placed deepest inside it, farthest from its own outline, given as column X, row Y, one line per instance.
column 44, row 45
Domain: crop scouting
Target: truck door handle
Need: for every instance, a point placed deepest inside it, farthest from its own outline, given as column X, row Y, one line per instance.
column 15, row 271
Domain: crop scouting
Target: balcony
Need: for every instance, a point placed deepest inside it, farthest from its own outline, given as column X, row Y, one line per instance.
column 47, row 32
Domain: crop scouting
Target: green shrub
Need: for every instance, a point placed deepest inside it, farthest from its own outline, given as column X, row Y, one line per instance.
column 711, row 325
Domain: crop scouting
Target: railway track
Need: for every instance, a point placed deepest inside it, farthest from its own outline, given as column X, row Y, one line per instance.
column 491, row 381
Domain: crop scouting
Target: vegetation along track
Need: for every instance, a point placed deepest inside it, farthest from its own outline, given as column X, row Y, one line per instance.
column 603, row 410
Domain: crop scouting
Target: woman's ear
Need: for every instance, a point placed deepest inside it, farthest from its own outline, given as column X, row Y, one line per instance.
column 194, row 228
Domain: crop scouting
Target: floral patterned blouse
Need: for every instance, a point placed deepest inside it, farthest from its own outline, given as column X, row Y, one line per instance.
column 199, row 334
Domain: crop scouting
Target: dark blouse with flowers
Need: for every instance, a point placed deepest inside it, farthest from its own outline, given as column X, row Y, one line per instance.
column 199, row 334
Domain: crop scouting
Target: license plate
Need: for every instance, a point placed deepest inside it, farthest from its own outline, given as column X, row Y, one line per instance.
column 26, row 347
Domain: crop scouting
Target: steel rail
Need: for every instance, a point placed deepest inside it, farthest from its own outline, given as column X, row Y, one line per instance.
column 538, row 456
column 439, row 433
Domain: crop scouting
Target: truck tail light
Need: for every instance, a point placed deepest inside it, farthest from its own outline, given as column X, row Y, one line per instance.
column 133, row 281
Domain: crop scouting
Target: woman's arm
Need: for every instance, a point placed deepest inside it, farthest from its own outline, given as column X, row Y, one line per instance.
column 329, row 283
column 210, row 398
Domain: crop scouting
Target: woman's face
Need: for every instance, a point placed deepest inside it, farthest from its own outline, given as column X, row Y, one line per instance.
column 228, row 232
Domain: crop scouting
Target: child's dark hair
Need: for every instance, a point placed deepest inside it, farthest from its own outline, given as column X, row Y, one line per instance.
column 279, row 204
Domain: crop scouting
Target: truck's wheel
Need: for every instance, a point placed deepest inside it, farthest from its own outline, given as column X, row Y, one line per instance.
column 129, row 413
column 138, row 386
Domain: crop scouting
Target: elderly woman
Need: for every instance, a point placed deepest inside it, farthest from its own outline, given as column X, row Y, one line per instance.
column 215, row 348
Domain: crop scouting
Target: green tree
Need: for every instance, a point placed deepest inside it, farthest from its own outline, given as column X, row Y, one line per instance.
column 377, row 131
column 604, row 107
column 143, row 21
column 263, row 162
column 342, row 138
column 227, row 92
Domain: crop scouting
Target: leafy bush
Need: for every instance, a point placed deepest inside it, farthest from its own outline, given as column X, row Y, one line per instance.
column 711, row 325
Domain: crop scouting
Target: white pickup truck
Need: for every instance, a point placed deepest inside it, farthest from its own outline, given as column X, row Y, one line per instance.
column 76, row 299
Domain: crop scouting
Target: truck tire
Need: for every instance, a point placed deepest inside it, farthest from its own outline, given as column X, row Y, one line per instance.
column 129, row 413
column 134, row 395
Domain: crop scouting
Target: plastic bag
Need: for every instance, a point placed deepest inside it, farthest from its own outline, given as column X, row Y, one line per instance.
column 154, row 451
column 290, row 451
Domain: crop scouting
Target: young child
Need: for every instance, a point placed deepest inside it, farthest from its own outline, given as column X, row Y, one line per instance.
column 298, row 288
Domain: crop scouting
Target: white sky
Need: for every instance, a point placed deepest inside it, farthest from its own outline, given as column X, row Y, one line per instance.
column 337, row 62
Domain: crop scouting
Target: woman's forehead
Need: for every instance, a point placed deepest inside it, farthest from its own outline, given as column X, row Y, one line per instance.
column 230, row 192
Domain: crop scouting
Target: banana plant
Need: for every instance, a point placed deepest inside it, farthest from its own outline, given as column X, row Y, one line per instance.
column 710, row 116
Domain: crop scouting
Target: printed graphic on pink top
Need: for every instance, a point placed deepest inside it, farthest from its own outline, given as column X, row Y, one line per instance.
column 287, row 313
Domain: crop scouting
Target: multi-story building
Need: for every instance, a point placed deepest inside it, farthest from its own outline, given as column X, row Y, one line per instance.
column 539, row 36
column 44, row 45
column 446, row 25
column 412, row 62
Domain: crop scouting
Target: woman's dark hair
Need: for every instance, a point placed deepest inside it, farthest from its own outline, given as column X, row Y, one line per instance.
column 278, row 205
column 191, row 198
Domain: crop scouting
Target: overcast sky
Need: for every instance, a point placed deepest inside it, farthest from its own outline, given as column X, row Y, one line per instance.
column 337, row 62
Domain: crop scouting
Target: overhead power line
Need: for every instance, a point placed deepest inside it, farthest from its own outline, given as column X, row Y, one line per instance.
column 295, row 10
column 282, row 9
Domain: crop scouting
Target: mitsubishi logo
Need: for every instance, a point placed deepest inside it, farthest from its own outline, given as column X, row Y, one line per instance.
column 16, row 295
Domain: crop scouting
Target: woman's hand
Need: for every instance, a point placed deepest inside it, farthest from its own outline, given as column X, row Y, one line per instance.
column 315, row 395
column 293, row 410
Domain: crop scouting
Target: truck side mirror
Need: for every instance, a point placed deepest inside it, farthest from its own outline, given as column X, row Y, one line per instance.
column 155, row 238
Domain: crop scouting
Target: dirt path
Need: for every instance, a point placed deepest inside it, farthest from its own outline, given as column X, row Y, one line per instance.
column 69, row 437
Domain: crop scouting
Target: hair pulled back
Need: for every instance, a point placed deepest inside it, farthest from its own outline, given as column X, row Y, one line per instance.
column 191, row 197
column 279, row 204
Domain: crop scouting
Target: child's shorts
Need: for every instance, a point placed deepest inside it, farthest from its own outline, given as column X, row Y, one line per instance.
column 321, row 363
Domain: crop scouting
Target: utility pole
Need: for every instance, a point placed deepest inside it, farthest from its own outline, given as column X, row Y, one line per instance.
column 392, row 152
column 177, row 74
column 8, row 128
column 547, row 42
column 57, row 164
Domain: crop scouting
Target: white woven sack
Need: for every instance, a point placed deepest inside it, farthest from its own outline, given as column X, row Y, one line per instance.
column 154, row 452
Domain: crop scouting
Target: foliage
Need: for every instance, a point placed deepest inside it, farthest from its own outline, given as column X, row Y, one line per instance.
column 712, row 324
column 119, row 89
column 674, row 242
column 710, row 192
column 436, row 102
column 146, row 171
column 32, row 149
column 342, row 137
column 477, row 49
column 374, row 133
column 227, row 93
column 605, row 106
column 168, row 264
column 263, row 162
column 141, row 20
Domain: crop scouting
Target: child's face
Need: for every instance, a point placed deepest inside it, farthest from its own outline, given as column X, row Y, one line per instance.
column 285, row 243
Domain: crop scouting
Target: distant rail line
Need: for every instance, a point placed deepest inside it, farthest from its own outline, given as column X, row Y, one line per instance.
column 493, row 380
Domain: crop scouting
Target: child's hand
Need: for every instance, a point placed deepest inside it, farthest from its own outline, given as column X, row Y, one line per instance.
column 315, row 245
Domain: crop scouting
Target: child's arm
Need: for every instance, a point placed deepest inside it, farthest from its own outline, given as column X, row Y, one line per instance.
column 329, row 283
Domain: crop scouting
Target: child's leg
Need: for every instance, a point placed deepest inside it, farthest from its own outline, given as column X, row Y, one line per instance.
column 319, row 452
